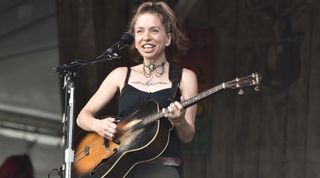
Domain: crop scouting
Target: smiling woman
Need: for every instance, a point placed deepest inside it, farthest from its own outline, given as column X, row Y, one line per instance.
column 171, row 27
column 157, row 84
column 151, row 37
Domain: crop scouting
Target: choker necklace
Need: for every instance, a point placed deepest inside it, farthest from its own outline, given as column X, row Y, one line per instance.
column 158, row 68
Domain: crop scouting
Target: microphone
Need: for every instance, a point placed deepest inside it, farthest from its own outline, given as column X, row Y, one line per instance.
column 110, row 53
column 126, row 39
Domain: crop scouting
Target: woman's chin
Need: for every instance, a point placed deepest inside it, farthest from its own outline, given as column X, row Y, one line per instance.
column 148, row 56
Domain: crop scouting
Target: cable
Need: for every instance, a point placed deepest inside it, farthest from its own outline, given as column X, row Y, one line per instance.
column 58, row 170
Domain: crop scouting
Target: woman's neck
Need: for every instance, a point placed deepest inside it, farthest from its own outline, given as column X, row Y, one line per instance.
column 155, row 61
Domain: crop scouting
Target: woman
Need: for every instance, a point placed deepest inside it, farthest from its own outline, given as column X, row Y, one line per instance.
column 159, row 40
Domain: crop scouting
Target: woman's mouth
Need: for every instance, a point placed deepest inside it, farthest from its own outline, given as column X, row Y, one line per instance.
column 148, row 47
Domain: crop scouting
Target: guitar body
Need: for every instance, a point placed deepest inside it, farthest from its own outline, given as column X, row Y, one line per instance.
column 97, row 157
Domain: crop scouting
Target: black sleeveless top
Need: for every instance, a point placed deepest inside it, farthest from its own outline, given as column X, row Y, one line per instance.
column 131, row 97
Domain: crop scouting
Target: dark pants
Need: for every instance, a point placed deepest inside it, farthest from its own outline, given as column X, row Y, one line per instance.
column 153, row 171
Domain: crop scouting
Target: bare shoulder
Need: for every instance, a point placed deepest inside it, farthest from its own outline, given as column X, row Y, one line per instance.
column 116, row 76
column 118, row 73
column 119, row 70
column 188, row 75
column 189, row 82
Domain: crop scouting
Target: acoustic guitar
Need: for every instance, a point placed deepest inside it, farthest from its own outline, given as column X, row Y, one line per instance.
column 141, row 136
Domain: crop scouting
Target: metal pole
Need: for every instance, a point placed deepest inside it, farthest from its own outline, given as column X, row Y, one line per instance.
column 69, row 152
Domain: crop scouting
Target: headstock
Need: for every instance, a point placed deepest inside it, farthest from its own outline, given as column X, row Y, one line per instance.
column 238, row 83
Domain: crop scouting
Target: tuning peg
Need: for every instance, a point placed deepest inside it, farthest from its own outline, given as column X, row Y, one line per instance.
column 240, row 92
column 256, row 88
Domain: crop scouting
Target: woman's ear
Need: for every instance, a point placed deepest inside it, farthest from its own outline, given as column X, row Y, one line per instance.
column 168, row 40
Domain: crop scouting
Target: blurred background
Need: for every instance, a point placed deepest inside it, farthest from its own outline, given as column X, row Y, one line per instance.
column 270, row 133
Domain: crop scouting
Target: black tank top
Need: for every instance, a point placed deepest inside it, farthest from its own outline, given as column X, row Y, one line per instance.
column 131, row 97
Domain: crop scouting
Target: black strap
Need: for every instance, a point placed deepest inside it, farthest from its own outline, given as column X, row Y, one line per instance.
column 175, row 74
column 127, row 76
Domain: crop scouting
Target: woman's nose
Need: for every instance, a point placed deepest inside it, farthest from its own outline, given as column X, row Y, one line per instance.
column 146, row 36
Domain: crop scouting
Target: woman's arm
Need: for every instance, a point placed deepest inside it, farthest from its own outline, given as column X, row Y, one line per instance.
column 107, row 90
column 185, row 121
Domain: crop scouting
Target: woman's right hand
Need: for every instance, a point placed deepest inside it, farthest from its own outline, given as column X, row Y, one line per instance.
column 105, row 127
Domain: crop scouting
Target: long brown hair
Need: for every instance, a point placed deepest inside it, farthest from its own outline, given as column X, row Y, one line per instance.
column 179, row 41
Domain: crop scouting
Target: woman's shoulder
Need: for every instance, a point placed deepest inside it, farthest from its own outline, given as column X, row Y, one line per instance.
column 188, row 75
column 119, row 71
column 122, row 71
column 189, row 82
column 117, row 74
column 188, row 72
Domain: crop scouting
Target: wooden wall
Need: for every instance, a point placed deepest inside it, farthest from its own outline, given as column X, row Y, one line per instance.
column 268, row 134
column 272, row 133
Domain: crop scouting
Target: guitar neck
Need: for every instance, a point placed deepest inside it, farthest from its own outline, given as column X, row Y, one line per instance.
column 251, row 80
column 191, row 101
column 187, row 103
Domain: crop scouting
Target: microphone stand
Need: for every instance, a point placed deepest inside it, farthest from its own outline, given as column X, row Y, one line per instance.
column 69, row 71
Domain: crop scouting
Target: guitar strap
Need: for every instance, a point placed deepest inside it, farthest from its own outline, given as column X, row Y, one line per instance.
column 175, row 74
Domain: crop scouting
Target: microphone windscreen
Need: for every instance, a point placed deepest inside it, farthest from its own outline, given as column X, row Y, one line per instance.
column 127, row 38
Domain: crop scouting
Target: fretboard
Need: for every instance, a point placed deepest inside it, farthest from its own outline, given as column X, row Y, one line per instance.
column 187, row 103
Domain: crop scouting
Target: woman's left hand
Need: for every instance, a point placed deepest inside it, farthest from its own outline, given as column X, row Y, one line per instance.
column 175, row 113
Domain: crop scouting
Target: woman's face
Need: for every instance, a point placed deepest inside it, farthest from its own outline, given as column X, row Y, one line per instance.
column 150, row 36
